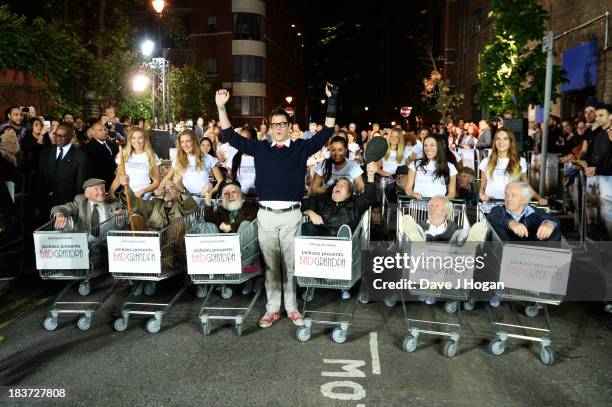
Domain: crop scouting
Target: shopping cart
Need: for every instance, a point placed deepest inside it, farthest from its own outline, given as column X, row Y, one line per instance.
column 149, row 257
column 359, row 241
column 88, row 252
column 452, row 297
column 248, row 266
column 503, row 256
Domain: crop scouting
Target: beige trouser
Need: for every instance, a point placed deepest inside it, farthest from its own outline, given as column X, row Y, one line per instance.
column 276, row 233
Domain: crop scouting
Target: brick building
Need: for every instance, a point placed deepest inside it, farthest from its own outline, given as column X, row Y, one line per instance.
column 581, row 49
column 253, row 48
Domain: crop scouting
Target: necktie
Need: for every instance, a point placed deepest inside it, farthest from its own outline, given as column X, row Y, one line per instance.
column 59, row 157
column 108, row 148
column 95, row 221
column 280, row 146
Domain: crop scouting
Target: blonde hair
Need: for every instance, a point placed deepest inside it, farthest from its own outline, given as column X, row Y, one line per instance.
column 399, row 157
column 181, row 156
column 148, row 149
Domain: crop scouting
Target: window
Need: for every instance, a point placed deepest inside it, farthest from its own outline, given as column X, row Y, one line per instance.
column 247, row 26
column 212, row 24
column 248, row 105
column 212, row 65
column 248, row 68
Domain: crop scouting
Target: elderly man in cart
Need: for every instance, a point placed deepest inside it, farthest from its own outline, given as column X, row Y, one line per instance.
column 517, row 221
column 89, row 209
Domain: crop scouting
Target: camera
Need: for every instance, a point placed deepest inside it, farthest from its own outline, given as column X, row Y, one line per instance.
column 25, row 110
column 109, row 125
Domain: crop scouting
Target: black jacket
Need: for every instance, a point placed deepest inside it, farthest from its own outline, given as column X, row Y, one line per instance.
column 102, row 162
column 342, row 213
column 58, row 185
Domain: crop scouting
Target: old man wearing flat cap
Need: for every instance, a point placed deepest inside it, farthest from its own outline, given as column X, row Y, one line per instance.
column 89, row 209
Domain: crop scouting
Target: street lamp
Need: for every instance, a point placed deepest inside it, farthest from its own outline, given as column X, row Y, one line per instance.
column 366, row 108
column 158, row 6
column 140, row 82
column 147, row 48
column 322, row 101
column 288, row 99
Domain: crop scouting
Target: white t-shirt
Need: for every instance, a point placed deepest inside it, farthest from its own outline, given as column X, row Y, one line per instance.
column 426, row 184
column 418, row 150
column 246, row 173
column 195, row 180
column 210, row 162
column 229, row 152
column 137, row 168
column 351, row 170
column 390, row 164
column 496, row 182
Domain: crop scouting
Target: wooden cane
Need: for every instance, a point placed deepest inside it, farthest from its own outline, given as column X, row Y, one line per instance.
column 125, row 189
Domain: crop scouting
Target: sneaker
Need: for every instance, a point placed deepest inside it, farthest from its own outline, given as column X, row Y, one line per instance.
column 268, row 319
column 412, row 230
column 296, row 318
column 345, row 294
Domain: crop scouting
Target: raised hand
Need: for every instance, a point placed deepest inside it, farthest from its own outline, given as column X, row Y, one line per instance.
column 221, row 97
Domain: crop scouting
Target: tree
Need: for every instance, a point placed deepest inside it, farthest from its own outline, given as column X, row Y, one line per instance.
column 189, row 92
column 512, row 66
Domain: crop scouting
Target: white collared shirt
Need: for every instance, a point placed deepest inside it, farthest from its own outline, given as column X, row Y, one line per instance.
column 436, row 230
column 65, row 150
column 286, row 143
column 101, row 211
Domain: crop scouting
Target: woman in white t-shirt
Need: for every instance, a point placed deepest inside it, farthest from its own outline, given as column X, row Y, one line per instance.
column 354, row 149
column 243, row 165
column 503, row 166
column 335, row 167
column 190, row 166
column 396, row 154
column 433, row 174
column 141, row 164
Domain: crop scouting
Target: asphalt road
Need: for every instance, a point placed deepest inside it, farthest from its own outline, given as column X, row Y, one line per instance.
column 180, row 366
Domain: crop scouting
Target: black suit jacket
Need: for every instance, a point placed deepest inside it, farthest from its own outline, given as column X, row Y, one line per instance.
column 58, row 185
column 103, row 164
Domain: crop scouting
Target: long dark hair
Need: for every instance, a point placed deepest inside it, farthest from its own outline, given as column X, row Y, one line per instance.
column 212, row 151
column 327, row 164
column 237, row 160
column 441, row 160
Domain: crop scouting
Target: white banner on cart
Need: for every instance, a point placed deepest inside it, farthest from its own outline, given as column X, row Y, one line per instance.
column 213, row 254
column 539, row 270
column 322, row 258
column 134, row 254
column 61, row 251
column 442, row 263
column 467, row 158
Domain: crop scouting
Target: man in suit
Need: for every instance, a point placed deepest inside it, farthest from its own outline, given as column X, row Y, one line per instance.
column 517, row 221
column 234, row 208
column 62, row 170
column 102, row 153
column 89, row 209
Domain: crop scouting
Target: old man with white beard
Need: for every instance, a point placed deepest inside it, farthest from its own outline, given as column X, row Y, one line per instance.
column 234, row 209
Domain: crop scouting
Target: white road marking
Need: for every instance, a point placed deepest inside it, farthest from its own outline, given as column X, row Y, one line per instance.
column 374, row 353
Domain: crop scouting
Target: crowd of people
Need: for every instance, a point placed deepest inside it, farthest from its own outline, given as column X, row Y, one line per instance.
column 277, row 174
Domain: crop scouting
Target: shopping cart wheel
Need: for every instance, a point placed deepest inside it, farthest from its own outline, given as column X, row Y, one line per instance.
column 206, row 327
column 469, row 305
column 120, row 324
column 153, row 325
column 497, row 347
column 84, row 288
column 137, row 290
column 226, row 292
column 303, row 334
column 451, row 307
column 390, row 302
column 50, row 323
column 149, row 288
column 238, row 329
column 532, row 310
column 547, row 356
column 201, row 291
column 410, row 343
column 84, row 323
column 450, row 349
column 338, row 336
column 363, row 297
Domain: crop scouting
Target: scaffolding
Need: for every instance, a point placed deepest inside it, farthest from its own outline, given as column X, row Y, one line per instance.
column 160, row 94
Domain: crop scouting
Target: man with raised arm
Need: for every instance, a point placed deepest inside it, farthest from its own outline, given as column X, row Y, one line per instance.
column 280, row 165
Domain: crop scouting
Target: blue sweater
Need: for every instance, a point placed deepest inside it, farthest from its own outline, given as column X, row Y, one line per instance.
column 280, row 172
